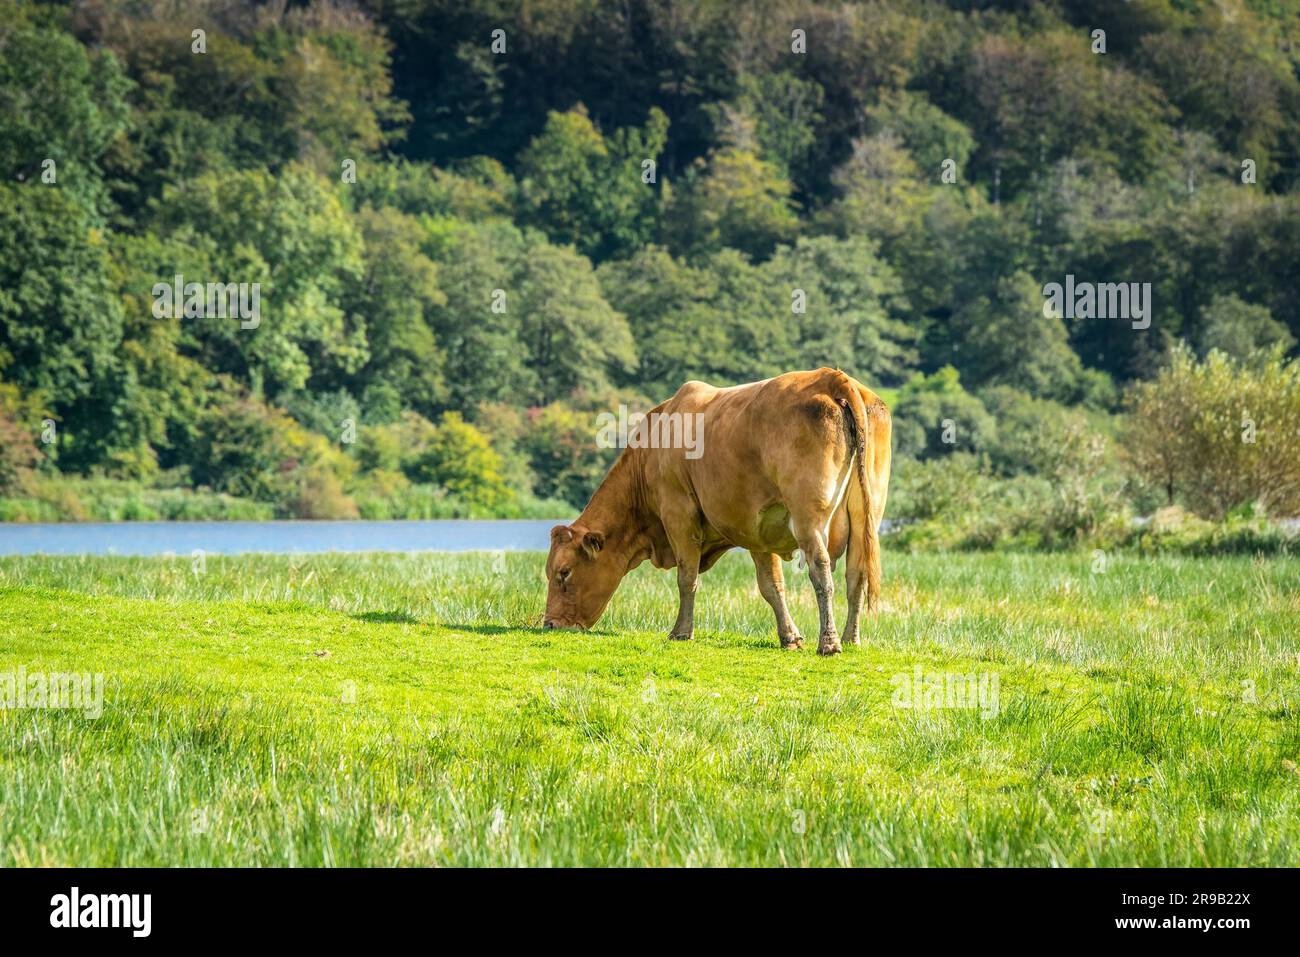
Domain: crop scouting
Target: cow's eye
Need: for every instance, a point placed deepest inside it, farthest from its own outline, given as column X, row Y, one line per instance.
column 563, row 575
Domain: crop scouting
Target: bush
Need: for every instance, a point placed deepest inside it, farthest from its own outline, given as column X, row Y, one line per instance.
column 936, row 416
column 1245, row 531
column 1222, row 432
column 242, row 449
column 73, row 499
column 379, row 448
column 383, row 496
column 19, row 453
column 504, row 426
column 319, row 495
column 561, row 446
column 921, row 490
column 958, row 503
column 324, row 413
column 459, row 459
column 251, row 450
column 1031, row 433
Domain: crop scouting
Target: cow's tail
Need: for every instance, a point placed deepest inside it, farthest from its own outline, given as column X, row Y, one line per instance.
column 863, row 531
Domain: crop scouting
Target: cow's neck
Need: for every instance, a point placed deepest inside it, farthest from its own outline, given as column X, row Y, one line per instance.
column 620, row 511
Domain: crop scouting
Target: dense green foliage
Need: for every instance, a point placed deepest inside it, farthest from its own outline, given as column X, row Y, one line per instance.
column 477, row 240
column 400, row 710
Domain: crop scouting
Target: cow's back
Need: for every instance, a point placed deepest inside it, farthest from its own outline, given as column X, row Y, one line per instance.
column 757, row 438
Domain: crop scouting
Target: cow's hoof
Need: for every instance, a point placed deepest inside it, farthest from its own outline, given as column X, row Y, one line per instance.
column 680, row 635
column 829, row 645
column 792, row 644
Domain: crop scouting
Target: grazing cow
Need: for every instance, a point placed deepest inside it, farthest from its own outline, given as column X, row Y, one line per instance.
column 800, row 461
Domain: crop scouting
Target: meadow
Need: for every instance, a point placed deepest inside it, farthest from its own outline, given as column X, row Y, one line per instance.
column 385, row 709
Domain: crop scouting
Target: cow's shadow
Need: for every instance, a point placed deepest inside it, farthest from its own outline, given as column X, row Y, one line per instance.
column 387, row 617
column 480, row 629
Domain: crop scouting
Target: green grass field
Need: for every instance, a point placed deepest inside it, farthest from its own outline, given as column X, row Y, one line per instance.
column 386, row 709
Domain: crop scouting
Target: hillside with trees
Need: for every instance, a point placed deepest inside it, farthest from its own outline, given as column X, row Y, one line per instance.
column 477, row 224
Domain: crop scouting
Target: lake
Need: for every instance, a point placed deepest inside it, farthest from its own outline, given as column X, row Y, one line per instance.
column 226, row 538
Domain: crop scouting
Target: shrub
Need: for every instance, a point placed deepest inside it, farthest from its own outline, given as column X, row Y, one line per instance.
column 922, row 490
column 1245, row 531
column 504, row 426
column 936, row 416
column 19, row 453
column 1221, row 432
column 957, row 503
column 242, row 449
column 60, row 498
column 379, row 448
column 325, row 412
column 249, row 449
column 1031, row 433
column 561, row 446
column 459, row 459
column 319, row 494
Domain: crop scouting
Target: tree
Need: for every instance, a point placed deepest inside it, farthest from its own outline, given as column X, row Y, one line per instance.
column 479, row 188
column 881, row 191
column 1227, row 79
column 478, row 325
column 291, row 235
column 733, row 199
column 673, row 317
column 58, row 102
column 1022, row 88
column 853, row 306
column 572, row 338
column 394, row 299
column 558, row 441
column 60, row 324
column 335, row 90
column 590, row 192
column 786, row 114
column 930, row 135
column 1240, row 329
column 1004, row 337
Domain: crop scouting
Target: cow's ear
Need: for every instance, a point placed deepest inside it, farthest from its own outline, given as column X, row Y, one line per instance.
column 561, row 534
column 592, row 543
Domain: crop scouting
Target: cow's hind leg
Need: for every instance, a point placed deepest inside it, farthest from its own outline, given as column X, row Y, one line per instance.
column 771, row 585
column 856, row 565
column 863, row 576
column 811, row 536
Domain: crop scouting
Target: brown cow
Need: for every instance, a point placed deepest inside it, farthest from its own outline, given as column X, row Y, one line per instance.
column 773, row 474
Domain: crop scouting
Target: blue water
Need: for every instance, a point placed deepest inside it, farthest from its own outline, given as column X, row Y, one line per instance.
column 225, row 538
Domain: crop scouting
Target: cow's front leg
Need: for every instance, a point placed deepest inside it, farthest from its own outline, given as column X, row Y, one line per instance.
column 771, row 585
column 688, row 580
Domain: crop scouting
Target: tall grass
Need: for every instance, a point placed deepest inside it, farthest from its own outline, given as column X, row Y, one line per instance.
column 389, row 709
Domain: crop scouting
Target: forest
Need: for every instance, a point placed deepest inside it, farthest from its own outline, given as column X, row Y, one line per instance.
column 475, row 225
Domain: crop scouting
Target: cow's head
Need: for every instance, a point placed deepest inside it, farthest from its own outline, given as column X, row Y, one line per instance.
column 581, row 575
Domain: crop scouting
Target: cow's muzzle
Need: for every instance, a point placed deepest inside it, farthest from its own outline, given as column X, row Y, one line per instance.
column 550, row 624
